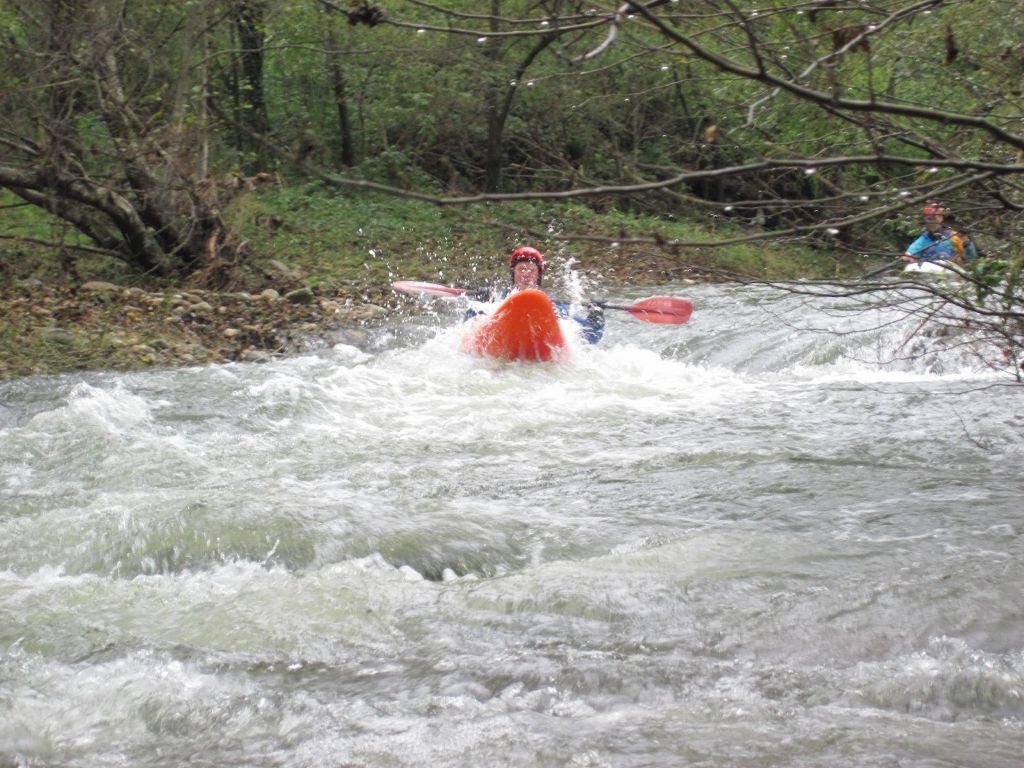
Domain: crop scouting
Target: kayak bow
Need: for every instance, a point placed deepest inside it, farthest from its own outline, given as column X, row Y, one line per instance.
column 524, row 327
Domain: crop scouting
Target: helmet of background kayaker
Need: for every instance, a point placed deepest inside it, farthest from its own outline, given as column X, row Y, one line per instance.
column 527, row 267
column 934, row 214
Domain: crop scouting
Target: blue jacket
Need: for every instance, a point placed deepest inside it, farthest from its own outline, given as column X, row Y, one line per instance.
column 944, row 246
column 592, row 323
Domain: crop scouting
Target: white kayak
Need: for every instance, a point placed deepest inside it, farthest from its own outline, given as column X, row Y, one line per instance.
column 938, row 268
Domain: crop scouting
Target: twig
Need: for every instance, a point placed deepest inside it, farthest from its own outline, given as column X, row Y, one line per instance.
column 919, row 327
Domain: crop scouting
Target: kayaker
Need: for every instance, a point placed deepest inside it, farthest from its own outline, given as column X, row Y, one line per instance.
column 940, row 242
column 526, row 270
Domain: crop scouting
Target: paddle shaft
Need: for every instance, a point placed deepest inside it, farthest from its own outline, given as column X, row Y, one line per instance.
column 658, row 309
column 880, row 270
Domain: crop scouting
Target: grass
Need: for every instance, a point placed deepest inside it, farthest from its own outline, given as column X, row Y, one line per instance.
column 366, row 239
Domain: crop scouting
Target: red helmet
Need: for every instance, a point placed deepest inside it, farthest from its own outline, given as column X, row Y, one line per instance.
column 526, row 253
column 933, row 208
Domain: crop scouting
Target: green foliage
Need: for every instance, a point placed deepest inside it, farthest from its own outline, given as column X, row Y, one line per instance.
column 419, row 102
column 368, row 240
column 997, row 278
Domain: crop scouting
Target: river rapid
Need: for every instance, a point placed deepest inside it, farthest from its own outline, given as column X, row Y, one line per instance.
column 776, row 536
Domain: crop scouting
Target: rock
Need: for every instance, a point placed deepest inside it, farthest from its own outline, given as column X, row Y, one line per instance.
column 118, row 339
column 201, row 306
column 285, row 270
column 270, row 294
column 366, row 312
column 57, row 335
column 255, row 356
column 351, row 337
column 98, row 286
column 301, row 296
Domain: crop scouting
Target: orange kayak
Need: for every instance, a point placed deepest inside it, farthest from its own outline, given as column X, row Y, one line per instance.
column 524, row 327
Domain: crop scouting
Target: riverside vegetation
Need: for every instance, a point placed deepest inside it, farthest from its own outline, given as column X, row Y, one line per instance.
column 151, row 155
column 325, row 276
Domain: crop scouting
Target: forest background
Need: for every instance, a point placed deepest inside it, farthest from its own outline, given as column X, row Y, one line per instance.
column 207, row 181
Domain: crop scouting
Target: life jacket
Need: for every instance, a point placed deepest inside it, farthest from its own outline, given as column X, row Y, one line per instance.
column 958, row 245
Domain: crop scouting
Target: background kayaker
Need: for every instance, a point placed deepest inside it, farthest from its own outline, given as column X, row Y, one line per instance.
column 526, row 270
column 939, row 241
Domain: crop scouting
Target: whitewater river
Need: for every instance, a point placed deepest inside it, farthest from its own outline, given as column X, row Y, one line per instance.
column 743, row 542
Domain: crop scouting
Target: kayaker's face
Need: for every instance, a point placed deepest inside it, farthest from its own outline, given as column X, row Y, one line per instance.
column 525, row 274
column 933, row 222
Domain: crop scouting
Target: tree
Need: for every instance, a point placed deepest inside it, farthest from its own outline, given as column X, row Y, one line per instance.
column 339, row 89
column 87, row 136
column 825, row 117
column 248, row 18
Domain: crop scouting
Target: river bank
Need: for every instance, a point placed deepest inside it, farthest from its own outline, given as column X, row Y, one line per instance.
column 99, row 325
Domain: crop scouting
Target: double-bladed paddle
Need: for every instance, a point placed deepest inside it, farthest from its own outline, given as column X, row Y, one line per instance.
column 657, row 309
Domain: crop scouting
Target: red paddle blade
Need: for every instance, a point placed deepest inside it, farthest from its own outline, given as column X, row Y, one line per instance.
column 662, row 309
column 426, row 289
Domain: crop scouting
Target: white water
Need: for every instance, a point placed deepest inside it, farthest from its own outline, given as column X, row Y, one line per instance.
column 739, row 542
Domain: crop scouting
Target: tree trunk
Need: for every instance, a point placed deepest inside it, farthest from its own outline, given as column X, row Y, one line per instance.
column 501, row 93
column 493, row 102
column 248, row 17
column 348, row 153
